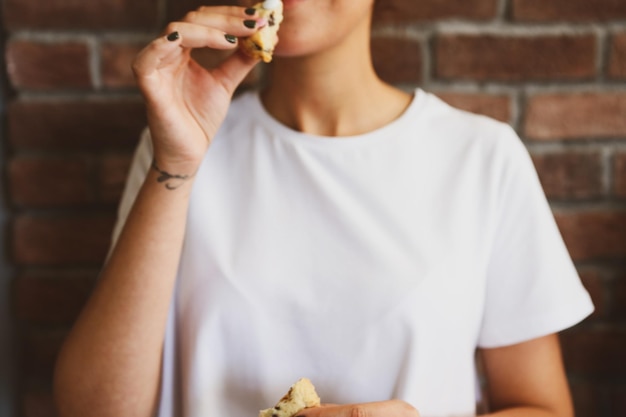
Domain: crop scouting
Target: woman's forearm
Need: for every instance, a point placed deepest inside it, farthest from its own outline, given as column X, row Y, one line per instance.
column 110, row 362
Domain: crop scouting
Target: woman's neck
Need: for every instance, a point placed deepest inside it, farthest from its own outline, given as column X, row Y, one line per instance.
column 334, row 93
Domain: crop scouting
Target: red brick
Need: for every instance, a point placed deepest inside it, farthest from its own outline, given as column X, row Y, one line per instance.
column 48, row 66
column 594, row 235
column 403, row 11
column 588, row 399
column 576, row 116
column 38, row 404
column 112, row 177
column 50, row 299
column 72, row 14
column 177, row 9
column 495, row 106
column 618, row 304
column 396, row 11
column 617, row 60
column 569, row 10
column 397, row 60
column 597, row 351
column 515, row 58
column 117, row 59
column 44, row 182
column 39, row 240
column 596, row 286
column 210, row 58
column 75, row 124
column 38, row 352
column 618, row 399
column 619, row 175
column 570, row 175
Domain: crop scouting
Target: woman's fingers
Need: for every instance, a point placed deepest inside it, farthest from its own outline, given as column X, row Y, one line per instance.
column 182, row 36
column 207, row 27
column 217, row 27
column 192, row 35
column 237, row 22
column 160, row 50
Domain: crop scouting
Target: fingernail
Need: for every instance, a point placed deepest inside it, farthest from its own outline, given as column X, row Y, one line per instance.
column 174, row 36
column 231, row 38
column 250, row 23
column 250, row 11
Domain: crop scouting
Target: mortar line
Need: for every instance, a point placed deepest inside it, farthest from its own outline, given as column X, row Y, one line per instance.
column 503, row 12
column 95, row 62
column 607, row 170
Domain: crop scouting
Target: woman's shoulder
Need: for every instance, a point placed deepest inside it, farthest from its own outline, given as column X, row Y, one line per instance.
column 454, row 126
column 455, row 118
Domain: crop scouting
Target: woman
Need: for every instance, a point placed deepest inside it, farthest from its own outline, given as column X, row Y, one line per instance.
column 332, row 227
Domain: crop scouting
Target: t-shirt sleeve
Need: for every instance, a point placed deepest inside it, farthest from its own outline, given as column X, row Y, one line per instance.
column 532, row 286
column 142, row 160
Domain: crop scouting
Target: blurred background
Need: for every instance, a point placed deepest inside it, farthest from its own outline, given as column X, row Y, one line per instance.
column 70, row 117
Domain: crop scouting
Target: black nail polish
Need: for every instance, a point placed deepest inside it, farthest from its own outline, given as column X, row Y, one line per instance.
column 250, row 24
column 250, row 11
column 231, row 38
column 174, row 36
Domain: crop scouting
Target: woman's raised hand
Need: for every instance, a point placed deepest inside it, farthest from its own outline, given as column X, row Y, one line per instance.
column 185, row 102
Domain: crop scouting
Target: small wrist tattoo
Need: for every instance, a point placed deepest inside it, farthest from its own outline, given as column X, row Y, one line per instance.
column 172, row 181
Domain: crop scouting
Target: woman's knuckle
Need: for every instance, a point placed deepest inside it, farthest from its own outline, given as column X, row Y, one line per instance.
column 192, row 16
column 171, row 27
column 136, row 65
column 358, row 411
column 135, row 68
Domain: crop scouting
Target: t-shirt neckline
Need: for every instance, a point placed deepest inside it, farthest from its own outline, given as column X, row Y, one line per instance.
column 283, row 132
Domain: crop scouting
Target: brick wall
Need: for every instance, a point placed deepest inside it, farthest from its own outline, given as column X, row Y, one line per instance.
column 6, row 340
column 554, row 69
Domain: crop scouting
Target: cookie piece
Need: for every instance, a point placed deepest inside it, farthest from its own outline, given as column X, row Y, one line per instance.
column 301, row 395
column 261, row 45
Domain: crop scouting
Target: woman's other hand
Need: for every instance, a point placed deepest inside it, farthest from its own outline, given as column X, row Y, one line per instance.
column 391, row 408
column 185, row 102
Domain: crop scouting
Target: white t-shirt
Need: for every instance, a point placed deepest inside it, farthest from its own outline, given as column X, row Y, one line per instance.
column 373, row 265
